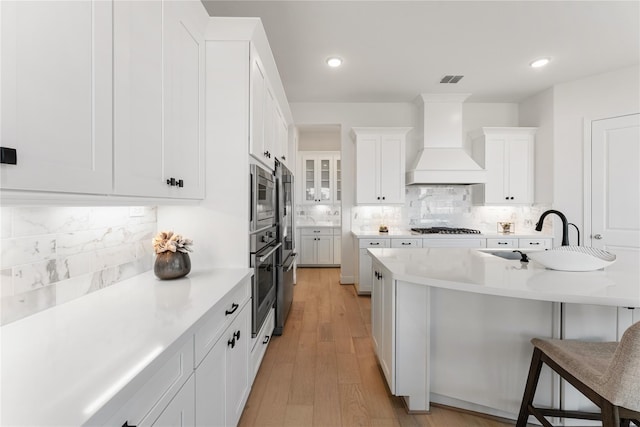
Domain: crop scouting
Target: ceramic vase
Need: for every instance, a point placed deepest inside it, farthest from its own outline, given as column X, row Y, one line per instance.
column 172, row 265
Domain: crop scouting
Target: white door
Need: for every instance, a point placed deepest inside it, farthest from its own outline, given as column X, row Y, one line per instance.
column 615, row 178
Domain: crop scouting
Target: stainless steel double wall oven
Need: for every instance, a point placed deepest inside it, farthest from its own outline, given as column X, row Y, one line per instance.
column 264, row 244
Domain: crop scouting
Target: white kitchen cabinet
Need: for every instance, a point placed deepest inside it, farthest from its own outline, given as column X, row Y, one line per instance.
column 269, row 136
column 158, row 101
column 318, row 177
column 542, row 243
column 380, row 165
column 502, row 242
column 383, row 322
column 465, row 242
column 316, row 246
column 181, row 410
column 365, row 278
column 223, row 378
column 507, row 154
column 260, row 343
column 406, row 243
column 56, row 71
column 156, row 395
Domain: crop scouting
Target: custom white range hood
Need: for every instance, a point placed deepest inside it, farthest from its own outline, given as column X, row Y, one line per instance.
column 443, row 159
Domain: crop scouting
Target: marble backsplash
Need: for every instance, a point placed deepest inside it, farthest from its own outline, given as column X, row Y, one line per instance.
column 50, row 255
column 446, row 206
column 319, row 214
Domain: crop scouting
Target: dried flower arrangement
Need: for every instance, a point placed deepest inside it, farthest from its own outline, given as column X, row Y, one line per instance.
column 168, row 241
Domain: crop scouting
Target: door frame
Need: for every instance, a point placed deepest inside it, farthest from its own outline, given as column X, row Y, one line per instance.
column 586, row 168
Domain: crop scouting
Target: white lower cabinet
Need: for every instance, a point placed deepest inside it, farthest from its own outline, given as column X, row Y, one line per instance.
column 260, row 343
column 365, row 277
column 318, row 246
column 181, row 410
column 222, row 378
column 154, row 398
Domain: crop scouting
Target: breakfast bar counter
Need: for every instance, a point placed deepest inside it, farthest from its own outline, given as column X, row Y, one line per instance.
column 453, row 325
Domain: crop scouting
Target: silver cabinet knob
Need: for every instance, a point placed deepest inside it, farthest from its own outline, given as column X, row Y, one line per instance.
column 597, row 236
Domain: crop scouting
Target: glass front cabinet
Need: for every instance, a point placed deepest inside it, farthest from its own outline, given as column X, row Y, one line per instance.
column 321, row 180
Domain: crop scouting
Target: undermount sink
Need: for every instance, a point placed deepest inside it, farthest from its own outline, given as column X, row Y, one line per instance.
column 505, row 254
column 573, row 258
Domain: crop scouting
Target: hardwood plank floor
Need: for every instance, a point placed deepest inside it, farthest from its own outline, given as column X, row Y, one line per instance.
column 322, row 371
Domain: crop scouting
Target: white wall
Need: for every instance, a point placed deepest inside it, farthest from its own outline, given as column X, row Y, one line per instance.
column 538, row 111
column 328, row 140
column 348, row 115
column 605, row 95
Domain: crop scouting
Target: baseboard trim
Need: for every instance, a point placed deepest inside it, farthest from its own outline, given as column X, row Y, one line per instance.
column 347, row 280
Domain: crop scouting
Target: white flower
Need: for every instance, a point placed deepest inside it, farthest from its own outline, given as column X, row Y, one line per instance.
column 168, row 241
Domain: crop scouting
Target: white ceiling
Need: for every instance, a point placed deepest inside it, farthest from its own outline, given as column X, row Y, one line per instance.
column 395, row 50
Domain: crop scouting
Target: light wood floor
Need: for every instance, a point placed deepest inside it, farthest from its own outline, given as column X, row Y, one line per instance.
column 322, row 371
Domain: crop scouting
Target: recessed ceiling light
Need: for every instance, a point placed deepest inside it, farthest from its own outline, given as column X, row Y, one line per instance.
column 540, row 62
column 334, row 61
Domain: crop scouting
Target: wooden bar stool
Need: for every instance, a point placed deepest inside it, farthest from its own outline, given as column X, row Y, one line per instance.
column 607, row 373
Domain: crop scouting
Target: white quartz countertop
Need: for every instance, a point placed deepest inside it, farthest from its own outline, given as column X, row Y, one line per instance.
column 61, row 365
column 319, row 224
column 369, row 234
column 473, row 270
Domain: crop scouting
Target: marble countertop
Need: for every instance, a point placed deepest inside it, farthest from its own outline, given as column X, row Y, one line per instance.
column 368, row 234
column 61, row 365
column 473, row 270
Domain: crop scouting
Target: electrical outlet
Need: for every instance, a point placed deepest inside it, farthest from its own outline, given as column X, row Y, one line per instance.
column 136, row 211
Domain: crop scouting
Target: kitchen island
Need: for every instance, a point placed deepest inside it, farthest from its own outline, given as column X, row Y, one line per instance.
column 453, row 325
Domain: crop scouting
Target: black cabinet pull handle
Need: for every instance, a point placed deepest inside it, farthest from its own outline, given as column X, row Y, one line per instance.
column 384, row 198
column 503, row 243
column 171, row 182
column 266, row 339
column 406, row 243
column 378, row 197
column 232, row 342
column 534, row 243
column 374, row 243
column 234, row 307
column 180, row 183
column 8, row 156
column 126, row 424
column 236, row 335
column 511, row 197
column 506, row 198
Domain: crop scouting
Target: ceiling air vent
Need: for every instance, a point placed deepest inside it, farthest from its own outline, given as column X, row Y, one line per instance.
column 451, row 79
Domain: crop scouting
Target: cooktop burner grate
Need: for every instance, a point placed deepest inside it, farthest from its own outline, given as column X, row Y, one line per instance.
column 445, row 230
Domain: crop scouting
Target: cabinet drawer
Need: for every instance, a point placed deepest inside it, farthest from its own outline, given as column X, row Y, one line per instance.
column 321, row 231
column 373, row 243
column 454, row 243
column 406, row 243
column 219, row 317
column 535, row 243
column 261, row 343
column 153, row 397
column 502, row 243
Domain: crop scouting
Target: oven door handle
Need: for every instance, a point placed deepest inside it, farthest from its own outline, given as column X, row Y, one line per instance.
column 264, row 257
column 292, row 257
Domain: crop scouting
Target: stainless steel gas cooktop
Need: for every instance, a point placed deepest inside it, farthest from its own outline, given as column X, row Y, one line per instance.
column 445, row 230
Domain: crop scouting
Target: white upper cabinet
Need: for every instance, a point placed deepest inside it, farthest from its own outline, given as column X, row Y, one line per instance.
column 269, row 136
column 380, row 165
column 507, row 154
column 318, row 179
column 56, row 90
column 158, row 99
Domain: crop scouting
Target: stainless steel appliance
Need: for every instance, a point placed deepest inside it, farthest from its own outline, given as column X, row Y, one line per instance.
column 264, row 252
column 445, row 230
column 287, row 255
column 263, row 199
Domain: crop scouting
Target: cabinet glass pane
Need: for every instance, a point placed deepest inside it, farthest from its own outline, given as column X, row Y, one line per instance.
column 309, row 180
column 325, row 179
column 338, row 180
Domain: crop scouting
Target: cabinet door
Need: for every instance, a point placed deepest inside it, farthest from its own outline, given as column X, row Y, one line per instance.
column 309, row 167
column 183, row 75
column 137, row 97
column 210, row 387
column 337, row 194
column 237, row 363
column 325, row 172
column 56, row 80
column 324, row 249
column 308, row 250
column 388, row 325
column 496, row 174
column 270, row 140
column 391, row 169
column 520, row 171
column 367, row 165
column 364, row 273
column 158, row 105
column 257, row 107
column 181, row 411
column 376, row 311
column 337, row 249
